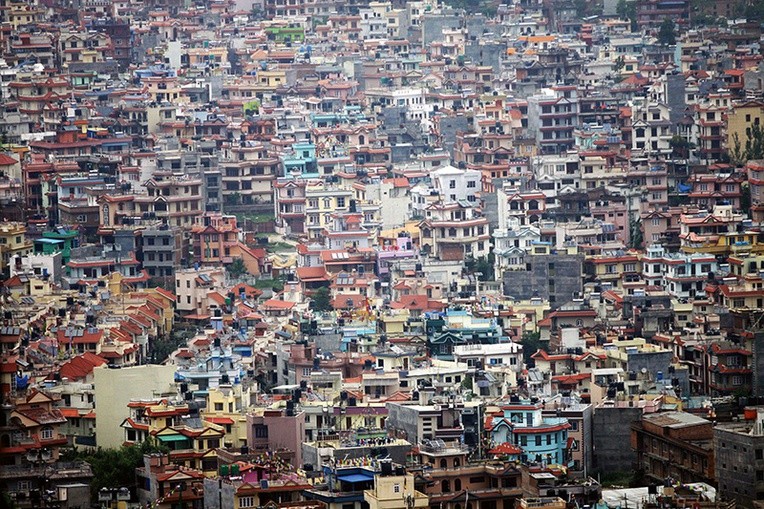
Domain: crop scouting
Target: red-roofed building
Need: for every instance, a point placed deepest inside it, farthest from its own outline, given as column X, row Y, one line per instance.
column 417, row 304
column 274, row 307
column 33, row 425
column 80, row 368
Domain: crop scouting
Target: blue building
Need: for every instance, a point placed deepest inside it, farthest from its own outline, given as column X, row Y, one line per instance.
column 344, row 487
column 301, row 162
column 458, row 327
column 541, row 439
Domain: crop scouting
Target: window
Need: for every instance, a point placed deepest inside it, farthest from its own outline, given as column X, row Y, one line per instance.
column 471, row 183
column 341, row 201
column 737, row 380
column 396, row 488
column 261, row 431
column 452, row 184
column 218, row 407
column 245, row 502
column 656, row 221
column 46, row 433
column 305, row 371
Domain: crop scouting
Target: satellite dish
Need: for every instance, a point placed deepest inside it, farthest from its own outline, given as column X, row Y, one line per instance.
column 644, row 370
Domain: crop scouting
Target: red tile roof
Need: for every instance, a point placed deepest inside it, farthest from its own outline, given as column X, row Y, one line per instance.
column 81, row 366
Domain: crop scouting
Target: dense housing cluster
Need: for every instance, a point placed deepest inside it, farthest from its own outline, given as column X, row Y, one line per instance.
column 345, row 254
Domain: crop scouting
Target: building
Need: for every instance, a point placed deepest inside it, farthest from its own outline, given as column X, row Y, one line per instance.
column 448, row 478
column 164, row 250
column 394, row 488
column 542, row 440
column 454, row 231
column 426, row 420
column 739, row 449
column 117, row 387
column 675, row 444
column 13, row 243
column 555, row 278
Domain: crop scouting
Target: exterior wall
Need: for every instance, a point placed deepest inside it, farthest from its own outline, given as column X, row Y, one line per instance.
column 287, row 432
column 116, row 387
column 758, row 364
column 739, row 463
column 565, row 274
column 611, row 430
column 675, row 444
column 401, row 417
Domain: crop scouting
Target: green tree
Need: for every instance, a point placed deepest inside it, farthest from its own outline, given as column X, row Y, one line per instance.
column 681, row 147
column 321, row 300
column 636, row 237
column 628, row 10
column 236, row 269
column 666, row 34
column 745, row 198
column 482, row 265
column 752, row 149
column 114, row 468
column 532, row 343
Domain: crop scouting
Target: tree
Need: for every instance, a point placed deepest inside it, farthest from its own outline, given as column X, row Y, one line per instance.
column 236, row 269
column 321, row 300
column 753, row 148
column 681, row 147
column 745, row 198
column 532, row 343
column 115, row 468
column 666, row 35
column 636, row 237
column 628, row 10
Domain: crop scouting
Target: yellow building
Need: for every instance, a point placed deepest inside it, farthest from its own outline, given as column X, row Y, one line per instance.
column 741, row 119
column 188, row 447
column 224, row 409
column 321, row 202
column 394, row 491
column 614, row 268
column 270, row 80
column 13, row 242
column 21, row 13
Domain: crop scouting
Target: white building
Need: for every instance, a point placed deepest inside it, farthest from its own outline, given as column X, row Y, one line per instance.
column 455, row 184
column 680, row 275
column 39, row 265
column 497, row 354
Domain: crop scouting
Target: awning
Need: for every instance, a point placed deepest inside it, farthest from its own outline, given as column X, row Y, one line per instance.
column 219, row 420
column 172, row 438
column 197, row 317
column 354, row 478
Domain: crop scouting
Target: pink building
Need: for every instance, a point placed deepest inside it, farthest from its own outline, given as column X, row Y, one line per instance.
column 277, row 430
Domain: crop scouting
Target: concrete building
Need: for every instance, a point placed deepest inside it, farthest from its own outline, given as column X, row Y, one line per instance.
column 164, row 250
column 117, row 387
column 552, row 277
column 581, row 432
column 394, row 488
column 611, row 429
column 426, row 421
column 739, row 448
column 542, row 439
column 674, row 444
column 281, row 430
